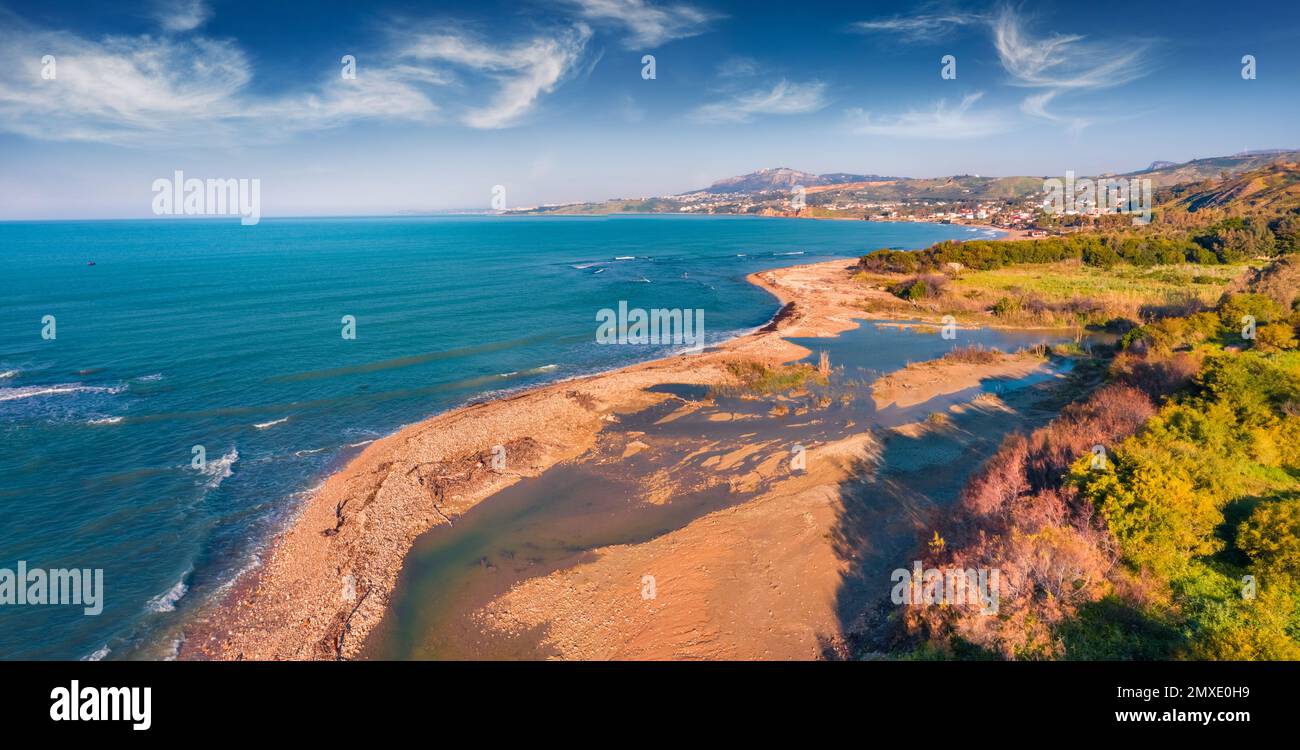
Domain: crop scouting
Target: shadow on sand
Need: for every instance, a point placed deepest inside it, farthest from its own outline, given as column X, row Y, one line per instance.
column 890, row 502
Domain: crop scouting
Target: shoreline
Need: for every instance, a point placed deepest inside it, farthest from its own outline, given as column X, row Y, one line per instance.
column 325, row 581
column 1008, row 233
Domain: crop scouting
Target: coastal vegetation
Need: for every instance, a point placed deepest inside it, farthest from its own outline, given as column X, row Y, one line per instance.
column 1064, row 293
column 1158, row 517
column 1203, row 238
column 1255, row 214
column 761, row 378
column 976, row 354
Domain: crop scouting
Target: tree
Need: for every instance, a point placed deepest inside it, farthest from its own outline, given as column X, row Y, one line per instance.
column 1270, row 536
column 1286, row 230
column 1258, row 306
column 1275, row 337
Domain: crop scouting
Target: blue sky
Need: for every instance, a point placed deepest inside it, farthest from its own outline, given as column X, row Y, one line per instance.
column 547, row 98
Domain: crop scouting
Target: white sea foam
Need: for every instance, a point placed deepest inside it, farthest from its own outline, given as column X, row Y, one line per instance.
column 98, row 654
column 272, row 423
column 221, row 468
column 624, row 257
column 529, row 371
column 5, row 375
column 104, row 421
column 166, row 601
column 254, row 560
column 35, row 391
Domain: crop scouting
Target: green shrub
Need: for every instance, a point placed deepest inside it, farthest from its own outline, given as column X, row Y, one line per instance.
column 1006, row 307
column 1271, row 537
column 1237, row 306
column 1275, row 337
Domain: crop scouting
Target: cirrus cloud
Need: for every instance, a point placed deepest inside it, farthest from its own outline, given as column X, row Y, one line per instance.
column 150, row 90
column 648, row 25
column 181, row 15
column 919, row 28
column 938, row 122
column 784, row 98
column 523, row 72
column 1056, row 63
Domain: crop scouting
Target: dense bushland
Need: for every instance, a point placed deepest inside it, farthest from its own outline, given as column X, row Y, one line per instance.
column 1157, row 518
column 1230, row 240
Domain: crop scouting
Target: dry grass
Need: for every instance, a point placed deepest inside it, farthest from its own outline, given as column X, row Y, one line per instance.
column 975, row 354
column 761, row 378
column 1065, row 294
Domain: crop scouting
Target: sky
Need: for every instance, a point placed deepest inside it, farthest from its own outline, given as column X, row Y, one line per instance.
column 550, row 99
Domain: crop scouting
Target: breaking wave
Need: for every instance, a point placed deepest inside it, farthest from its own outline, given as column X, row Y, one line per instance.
column 166, row 601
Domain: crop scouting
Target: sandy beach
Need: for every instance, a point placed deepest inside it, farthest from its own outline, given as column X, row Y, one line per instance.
column 756, row 580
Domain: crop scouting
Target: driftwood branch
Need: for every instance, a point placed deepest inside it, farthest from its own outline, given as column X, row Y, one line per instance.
column 347, row 627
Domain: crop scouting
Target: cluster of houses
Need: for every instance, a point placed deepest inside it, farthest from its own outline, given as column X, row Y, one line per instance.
column 1021, row 215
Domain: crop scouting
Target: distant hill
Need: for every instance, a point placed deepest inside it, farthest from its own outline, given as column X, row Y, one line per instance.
column 1164, row 174
column 877, row 187
column 1270, row 189
column 1218, row 181
column 839, row 178
column 956, row 188
column 1265, row 152
column 975, row 187
column 782, row 179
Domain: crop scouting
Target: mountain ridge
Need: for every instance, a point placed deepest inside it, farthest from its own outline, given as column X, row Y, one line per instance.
column 1162, row 173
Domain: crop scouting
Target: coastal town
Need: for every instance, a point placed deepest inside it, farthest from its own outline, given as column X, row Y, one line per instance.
column 1022, row 205
column 845, row 204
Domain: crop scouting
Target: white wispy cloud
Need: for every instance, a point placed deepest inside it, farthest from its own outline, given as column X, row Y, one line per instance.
column 737, row 67
column 784, row 98
column 523, row 72
column 1035, row 105
column 153, row 90
column 920, row 28
column 181, row 15
column 120, row 89
column 1065, row 61
column 939, row 122
column 1061, row 63
column 147, row 90
column 392, row 93
column 648, row 25
column 1056, row 63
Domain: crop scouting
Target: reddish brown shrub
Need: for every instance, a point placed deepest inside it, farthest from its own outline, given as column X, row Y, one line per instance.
column 1014, row 515
column 1156, row 376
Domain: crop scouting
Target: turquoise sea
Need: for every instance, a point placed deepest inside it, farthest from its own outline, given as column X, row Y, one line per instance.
column 184, row 333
